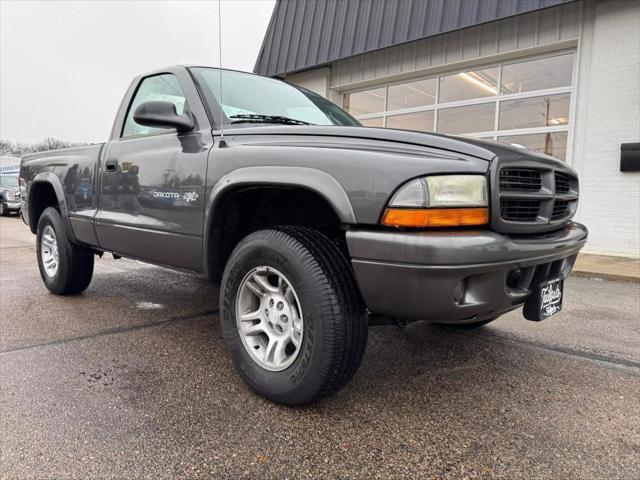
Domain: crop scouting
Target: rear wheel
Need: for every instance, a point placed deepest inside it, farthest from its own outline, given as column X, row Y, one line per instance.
column 292, row 317
column 65, row 268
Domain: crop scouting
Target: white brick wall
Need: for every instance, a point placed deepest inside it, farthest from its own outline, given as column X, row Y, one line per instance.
column 608, row 114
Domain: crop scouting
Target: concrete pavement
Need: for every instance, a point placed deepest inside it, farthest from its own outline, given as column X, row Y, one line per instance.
column 130, row 380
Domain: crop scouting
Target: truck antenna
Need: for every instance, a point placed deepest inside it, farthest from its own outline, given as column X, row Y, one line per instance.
column 222, row 143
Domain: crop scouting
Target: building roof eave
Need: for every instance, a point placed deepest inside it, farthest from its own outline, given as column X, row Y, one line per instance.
column 306, row 34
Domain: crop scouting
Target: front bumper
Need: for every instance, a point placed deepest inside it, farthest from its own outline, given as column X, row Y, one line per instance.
column 457, row 276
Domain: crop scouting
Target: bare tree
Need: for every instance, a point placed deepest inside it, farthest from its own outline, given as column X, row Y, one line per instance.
column 19, row 149
column 6, row 148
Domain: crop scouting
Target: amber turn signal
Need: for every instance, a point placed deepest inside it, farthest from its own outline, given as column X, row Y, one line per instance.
column 435, row 217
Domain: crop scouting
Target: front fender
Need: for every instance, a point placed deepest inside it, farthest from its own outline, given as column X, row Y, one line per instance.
column 311, row 179
column 302, row 177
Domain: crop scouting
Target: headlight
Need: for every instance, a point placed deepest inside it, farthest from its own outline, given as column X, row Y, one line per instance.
column 442, row 191
column 11, row 196
column 439, row 201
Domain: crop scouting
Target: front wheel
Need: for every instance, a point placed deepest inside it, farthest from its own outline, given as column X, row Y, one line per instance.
column 65, row 268
column 4, row 210
column 292, row 317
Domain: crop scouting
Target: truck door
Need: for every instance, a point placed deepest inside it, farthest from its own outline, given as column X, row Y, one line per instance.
column 152, row 183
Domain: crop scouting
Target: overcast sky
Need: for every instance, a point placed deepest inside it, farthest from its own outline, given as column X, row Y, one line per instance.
column 65, row 65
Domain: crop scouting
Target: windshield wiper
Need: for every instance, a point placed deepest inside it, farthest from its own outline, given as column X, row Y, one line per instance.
column 258, row 118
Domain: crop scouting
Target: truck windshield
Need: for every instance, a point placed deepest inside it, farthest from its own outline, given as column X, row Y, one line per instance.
column 251, row 99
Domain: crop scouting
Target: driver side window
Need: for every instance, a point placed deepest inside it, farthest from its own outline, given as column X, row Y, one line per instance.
column 163, row 87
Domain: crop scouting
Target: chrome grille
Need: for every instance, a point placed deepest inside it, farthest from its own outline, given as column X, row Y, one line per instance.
column 532, row 195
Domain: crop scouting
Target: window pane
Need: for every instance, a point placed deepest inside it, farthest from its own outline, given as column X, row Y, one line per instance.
column 468, row 119
column 554, row 144
column 157, row 88
column 414, row 94
column 535, row 112
column 547, row 72
column 360, row 103
column 467, row 85
column 372, row 122
column 421, row 121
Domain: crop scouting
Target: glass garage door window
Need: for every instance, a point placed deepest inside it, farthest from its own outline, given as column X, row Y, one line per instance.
column 524, row 102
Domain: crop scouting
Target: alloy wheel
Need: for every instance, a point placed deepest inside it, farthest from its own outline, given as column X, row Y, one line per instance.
column 49, row 251
column 269, row 318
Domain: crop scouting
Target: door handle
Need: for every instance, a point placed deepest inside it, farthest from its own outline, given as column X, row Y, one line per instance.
column 111, row 165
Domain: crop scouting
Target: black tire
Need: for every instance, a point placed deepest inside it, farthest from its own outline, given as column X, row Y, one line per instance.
column 334, row 316
column 468, row 326
column 4, row 211
column 75, row 263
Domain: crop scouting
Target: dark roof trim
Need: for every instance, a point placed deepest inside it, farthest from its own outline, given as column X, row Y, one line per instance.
column 304, row 34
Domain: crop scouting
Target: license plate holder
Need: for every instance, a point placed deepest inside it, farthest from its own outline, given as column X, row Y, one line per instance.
column 545, row 300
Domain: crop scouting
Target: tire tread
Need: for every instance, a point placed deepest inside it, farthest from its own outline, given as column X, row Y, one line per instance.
column 341, row 307
column 354, row 332
column 78, row 260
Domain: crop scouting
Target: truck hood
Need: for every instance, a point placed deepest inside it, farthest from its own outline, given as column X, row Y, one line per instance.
column 482, row 149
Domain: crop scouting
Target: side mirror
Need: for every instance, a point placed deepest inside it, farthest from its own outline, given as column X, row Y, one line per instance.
column 162, row 115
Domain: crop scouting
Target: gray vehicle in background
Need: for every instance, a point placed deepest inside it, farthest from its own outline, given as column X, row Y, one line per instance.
column 9, row 195
column 314, row 225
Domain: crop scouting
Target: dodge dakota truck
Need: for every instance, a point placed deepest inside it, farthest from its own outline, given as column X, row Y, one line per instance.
column 314, row 226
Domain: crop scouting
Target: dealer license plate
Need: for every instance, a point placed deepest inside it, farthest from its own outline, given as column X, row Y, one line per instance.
column 545, row 300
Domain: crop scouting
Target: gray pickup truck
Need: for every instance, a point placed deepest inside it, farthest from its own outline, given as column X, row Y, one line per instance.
column 313, row 225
